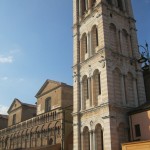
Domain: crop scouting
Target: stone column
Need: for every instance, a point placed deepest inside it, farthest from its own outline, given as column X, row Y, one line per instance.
column 135, row 92
column 92, row 90
column 91, row 140
column 123, row 89
column 82, row 96
column 94, row 140
column 82, row 144
column 120, row 42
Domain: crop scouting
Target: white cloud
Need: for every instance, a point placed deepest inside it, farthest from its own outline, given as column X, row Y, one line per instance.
column 21, row 80
column 4, row 78
column 8, row 59
column 3, row 109
column 14, row 51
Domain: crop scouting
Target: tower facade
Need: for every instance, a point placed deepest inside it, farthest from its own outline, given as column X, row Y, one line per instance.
column 108, row 81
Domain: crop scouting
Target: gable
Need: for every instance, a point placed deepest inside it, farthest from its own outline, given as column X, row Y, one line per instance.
column 48, row 86
column 15, row 104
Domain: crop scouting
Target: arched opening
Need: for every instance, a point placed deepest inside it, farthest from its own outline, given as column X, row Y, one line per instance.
column 83, row 6
column 86, row 139
column 113, row 37
column 96, row 86
column 99, row 145
column 120, row 4
column 83, row 47
column 117, row 86
column 94, row 38
column 125, row 40
column 93, row 2
column 58, row 132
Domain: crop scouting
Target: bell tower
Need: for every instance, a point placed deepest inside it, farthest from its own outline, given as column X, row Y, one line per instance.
column 108, row 81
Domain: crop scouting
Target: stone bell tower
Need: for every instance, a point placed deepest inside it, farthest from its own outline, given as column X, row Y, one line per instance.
column 108, row 81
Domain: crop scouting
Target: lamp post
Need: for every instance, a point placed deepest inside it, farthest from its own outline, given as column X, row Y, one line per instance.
column 145, row 57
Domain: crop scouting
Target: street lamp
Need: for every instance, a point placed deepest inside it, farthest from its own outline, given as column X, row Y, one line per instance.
column 145, row 57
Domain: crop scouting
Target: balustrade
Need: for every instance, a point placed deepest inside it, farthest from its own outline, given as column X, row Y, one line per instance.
column 40, row 119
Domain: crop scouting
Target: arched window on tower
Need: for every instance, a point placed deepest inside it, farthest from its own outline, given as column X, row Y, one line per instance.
column 99, row 145
column 109, row 2
column 86, row 139
column 83, row 47
column 113, row 37
column 125, row 44
column 48, row 104
column 93, row 2
column 120, row 4
column 117, row 86
column 84, row 6
column 94, row 38
column 96, row 86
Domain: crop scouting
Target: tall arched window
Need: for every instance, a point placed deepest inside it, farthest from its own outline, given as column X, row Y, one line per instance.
column 94, row 38
column 117, row 86
column 86, row 139
column 84, row 6
column 83, row 47
column 85, row 90
column 99, row 145
column 125, row 44
column 130, row 90
column 93, row 2
column 96, row 86
column 109, row 2
column 48, row 104
column 120, row 4
column 113, row 37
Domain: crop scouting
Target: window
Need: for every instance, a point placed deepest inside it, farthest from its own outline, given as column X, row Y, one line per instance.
column 83, row 6
column 137, row 130
column 109, row 2
column 93, row 2
column 120, row 4
column 47, row 104
column 14, row 119
column 94, row 38
column 99, row 84
column 83, row 47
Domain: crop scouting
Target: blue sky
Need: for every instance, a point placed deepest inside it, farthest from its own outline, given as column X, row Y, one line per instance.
column 36, row 44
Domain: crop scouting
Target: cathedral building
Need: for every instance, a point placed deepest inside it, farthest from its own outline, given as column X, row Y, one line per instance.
column 47, row 125
column 108, row 81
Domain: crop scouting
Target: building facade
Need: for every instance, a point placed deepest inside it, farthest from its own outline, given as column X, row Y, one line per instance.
column 139, row 120
column 48, row 128
column 3, row 121
column 108, row 81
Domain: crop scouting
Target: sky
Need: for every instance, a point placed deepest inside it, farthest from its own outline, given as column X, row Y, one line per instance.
column 36, row 45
